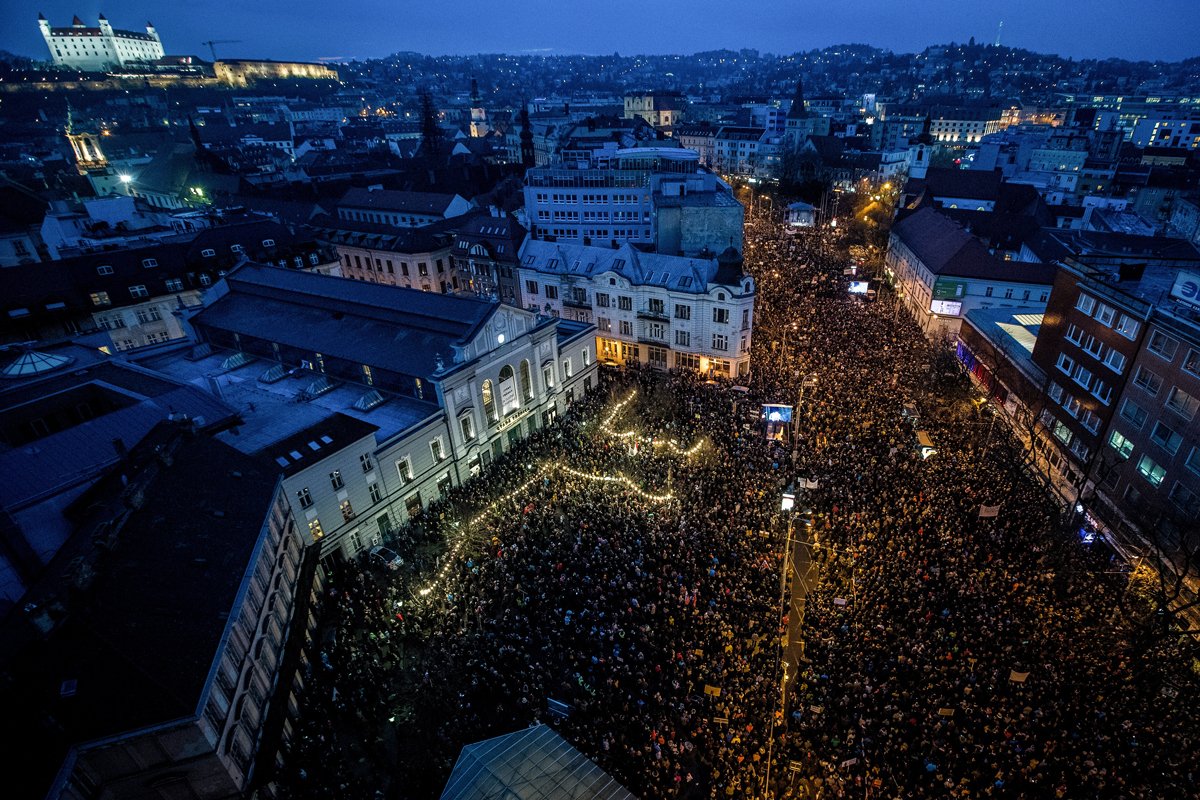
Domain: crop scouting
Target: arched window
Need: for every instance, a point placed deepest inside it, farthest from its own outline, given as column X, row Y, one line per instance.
column 489, row 402
column 526, row 382
column 508, row 390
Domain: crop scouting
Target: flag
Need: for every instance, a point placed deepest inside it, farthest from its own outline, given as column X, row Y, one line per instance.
column 1017, row 677
column 989, row 511
column 715, row 691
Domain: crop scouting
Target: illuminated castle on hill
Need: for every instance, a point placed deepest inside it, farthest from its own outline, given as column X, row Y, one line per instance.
column 99, row 49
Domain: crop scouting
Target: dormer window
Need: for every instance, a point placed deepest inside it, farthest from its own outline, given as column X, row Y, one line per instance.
column 149, row 262
column 266, row 243
column 208, row 252
column 237, row 248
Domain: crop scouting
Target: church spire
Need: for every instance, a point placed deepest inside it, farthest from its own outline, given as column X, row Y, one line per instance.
column 798, row 109
column 926, row 135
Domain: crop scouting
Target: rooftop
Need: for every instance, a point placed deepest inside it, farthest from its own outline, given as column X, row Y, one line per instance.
column 389, row 327
column 676, row 273
column 133, row 643
column 271, row 412
column 302, row 449
column 945, row 248
column 1012, row 331
column 52, row 463
column 532, row 764
column 391, row 200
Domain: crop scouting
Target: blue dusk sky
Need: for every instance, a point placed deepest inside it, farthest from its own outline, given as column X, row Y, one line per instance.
column 347, row 29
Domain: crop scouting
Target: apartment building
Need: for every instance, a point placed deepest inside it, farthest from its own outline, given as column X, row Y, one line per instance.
column 665, row 312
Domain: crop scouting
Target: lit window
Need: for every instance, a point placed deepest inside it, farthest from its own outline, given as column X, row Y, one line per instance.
column 1151, row 471
column 404, row 469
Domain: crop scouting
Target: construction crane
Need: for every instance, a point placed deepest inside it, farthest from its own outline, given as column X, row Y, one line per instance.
column 213, row 50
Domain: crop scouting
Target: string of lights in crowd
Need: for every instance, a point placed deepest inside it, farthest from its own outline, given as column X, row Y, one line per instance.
column 560, row 468
column 606, row 425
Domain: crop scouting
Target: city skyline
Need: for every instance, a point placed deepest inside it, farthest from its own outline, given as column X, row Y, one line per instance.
column 287, row 31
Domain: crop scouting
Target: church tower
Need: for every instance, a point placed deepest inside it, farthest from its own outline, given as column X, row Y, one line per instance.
column 802, row 123
column 920, row 150
column 479, row 120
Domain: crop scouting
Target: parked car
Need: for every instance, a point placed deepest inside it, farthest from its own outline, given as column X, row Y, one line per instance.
column 384, row 557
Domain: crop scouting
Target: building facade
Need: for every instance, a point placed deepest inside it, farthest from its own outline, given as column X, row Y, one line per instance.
column 665, row 312
column 662, row 110
column 648, row 196
column 941, row 272
column 244, row 72
column 409, row 393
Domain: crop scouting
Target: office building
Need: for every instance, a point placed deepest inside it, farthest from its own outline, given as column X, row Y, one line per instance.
column 941, row 272
column 653, row 197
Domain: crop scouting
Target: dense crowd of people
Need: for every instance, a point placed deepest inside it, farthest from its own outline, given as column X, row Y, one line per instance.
column 945, row 653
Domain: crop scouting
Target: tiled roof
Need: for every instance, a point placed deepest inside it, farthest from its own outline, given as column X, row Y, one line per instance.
column 974, row 184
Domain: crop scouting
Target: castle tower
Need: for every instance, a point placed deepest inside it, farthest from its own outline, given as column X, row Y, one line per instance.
column 44, row 27
column 479, row 120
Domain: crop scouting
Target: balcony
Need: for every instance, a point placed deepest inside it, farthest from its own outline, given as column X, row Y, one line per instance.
column 576, row 302
column 657, row 316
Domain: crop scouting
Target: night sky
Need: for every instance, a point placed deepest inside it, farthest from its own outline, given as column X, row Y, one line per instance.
column 346, row 29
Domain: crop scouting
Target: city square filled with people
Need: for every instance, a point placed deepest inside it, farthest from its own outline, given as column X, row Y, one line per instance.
column 626, row 576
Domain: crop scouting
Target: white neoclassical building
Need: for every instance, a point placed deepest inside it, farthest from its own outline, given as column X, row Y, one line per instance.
column 374, row 400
